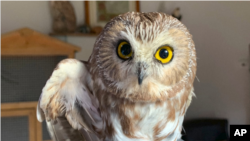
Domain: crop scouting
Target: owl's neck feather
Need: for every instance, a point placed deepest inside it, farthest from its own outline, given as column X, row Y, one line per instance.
column 145, row 120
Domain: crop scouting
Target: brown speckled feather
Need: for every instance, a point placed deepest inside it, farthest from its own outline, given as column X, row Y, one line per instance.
column 135, row 99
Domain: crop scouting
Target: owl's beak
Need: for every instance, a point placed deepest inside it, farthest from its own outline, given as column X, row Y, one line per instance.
column 140, row 78
column 141, row 72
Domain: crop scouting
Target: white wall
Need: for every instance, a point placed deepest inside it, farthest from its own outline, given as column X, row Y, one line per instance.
column 35, row 15
column 32, row 14
column 221, row 31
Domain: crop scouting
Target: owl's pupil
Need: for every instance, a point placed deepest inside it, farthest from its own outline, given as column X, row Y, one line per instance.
column 163, row 53
column 126, row 49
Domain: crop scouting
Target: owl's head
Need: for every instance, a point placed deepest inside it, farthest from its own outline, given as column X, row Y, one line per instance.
column 144, row 57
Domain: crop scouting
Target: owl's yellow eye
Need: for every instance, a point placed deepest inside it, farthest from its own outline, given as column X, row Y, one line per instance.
column 124, row 50
column 164, row 54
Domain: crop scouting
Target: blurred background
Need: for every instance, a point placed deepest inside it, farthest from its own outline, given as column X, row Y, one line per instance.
column 221, row 32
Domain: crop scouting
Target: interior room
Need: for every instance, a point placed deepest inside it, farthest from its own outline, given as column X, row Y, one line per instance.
column 220, row 31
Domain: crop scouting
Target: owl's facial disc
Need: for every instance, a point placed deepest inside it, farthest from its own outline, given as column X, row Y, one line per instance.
column 144, row 57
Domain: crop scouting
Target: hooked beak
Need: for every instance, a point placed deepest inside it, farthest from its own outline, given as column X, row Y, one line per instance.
column 141, row 72
column 140, row 78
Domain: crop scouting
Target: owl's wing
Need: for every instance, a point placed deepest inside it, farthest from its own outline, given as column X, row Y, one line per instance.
column 67, row 103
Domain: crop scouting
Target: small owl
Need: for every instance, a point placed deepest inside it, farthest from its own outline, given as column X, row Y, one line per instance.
column 136, row 85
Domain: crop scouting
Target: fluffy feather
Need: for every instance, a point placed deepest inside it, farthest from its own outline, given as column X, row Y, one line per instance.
column 104, row 97
column 65, row 99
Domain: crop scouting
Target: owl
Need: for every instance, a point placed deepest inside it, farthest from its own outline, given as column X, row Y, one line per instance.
column 136, row 85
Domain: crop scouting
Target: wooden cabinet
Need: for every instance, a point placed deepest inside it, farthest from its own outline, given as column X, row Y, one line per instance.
column 23, row 109
column 28, row 59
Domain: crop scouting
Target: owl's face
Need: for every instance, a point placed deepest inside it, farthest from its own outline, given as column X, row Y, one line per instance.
column 144, row 56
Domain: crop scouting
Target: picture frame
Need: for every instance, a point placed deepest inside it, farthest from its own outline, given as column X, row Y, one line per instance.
column 98, row 13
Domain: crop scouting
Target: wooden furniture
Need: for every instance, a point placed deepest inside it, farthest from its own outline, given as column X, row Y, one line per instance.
column 75, row 34
column 18, row 100
column 27, row 42
column 24, row 109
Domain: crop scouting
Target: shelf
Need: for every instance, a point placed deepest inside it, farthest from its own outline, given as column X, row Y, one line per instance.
column 74, row 34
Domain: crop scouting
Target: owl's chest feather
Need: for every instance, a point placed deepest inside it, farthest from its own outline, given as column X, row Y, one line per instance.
column 145, row 122
column 142, row 121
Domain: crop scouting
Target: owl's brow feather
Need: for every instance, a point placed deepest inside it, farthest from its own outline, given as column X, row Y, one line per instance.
column 146, row 26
